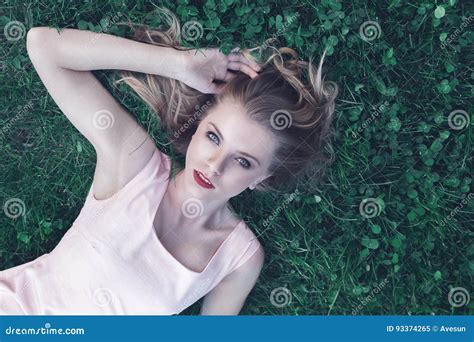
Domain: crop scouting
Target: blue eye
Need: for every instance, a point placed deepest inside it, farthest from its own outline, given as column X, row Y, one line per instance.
column 212, row 134
column 246, row 164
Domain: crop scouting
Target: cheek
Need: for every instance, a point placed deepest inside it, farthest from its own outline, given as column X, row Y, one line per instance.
column 199, row 150
column 240, row 179
column 201, row 147
column 197, row 143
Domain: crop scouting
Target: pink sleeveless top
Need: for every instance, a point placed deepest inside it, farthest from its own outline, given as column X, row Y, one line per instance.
column 111, row 262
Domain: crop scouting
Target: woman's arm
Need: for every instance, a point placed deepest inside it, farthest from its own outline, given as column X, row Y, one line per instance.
column 122, row 145
column 63, row 62
column 85, row 50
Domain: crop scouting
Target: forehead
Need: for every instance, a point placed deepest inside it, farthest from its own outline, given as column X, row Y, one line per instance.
column 238, row 129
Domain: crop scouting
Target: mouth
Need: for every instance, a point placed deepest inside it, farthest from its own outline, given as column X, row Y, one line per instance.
column 202, row 180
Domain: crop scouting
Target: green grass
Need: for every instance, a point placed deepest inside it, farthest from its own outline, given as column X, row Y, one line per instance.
column 406, row 157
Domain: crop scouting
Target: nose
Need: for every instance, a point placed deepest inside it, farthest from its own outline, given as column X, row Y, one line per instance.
column 215, row 163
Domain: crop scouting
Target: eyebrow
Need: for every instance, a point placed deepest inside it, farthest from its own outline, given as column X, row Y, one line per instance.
column 242, row 153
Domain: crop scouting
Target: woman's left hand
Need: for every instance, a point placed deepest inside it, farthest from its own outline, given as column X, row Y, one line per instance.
column 202, row 67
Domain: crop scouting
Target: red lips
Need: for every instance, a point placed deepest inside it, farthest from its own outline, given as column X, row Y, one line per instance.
column 202, row 183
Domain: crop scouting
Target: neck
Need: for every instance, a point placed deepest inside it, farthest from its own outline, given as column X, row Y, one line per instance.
column 202, row 211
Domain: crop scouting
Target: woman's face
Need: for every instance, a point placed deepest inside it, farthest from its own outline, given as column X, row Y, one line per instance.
column 231, row 150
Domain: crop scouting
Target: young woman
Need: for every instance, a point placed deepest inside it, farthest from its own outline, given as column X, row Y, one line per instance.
column 143, row 244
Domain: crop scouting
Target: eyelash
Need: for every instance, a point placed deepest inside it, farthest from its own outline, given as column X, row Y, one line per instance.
column 247, row 162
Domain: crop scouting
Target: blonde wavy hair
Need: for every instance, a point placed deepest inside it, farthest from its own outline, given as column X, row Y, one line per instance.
column 288, row 86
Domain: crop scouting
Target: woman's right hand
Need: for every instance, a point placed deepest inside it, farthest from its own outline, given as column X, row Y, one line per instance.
column 204, row 66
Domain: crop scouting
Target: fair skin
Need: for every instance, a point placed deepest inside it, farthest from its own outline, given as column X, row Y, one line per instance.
column 217, row 156
column 64, row 63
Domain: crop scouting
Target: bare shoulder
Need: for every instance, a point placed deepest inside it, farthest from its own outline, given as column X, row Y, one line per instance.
column 254, row 265
column 114, row 169
column 255, row 262
column 250, row 268
column 229, row 296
